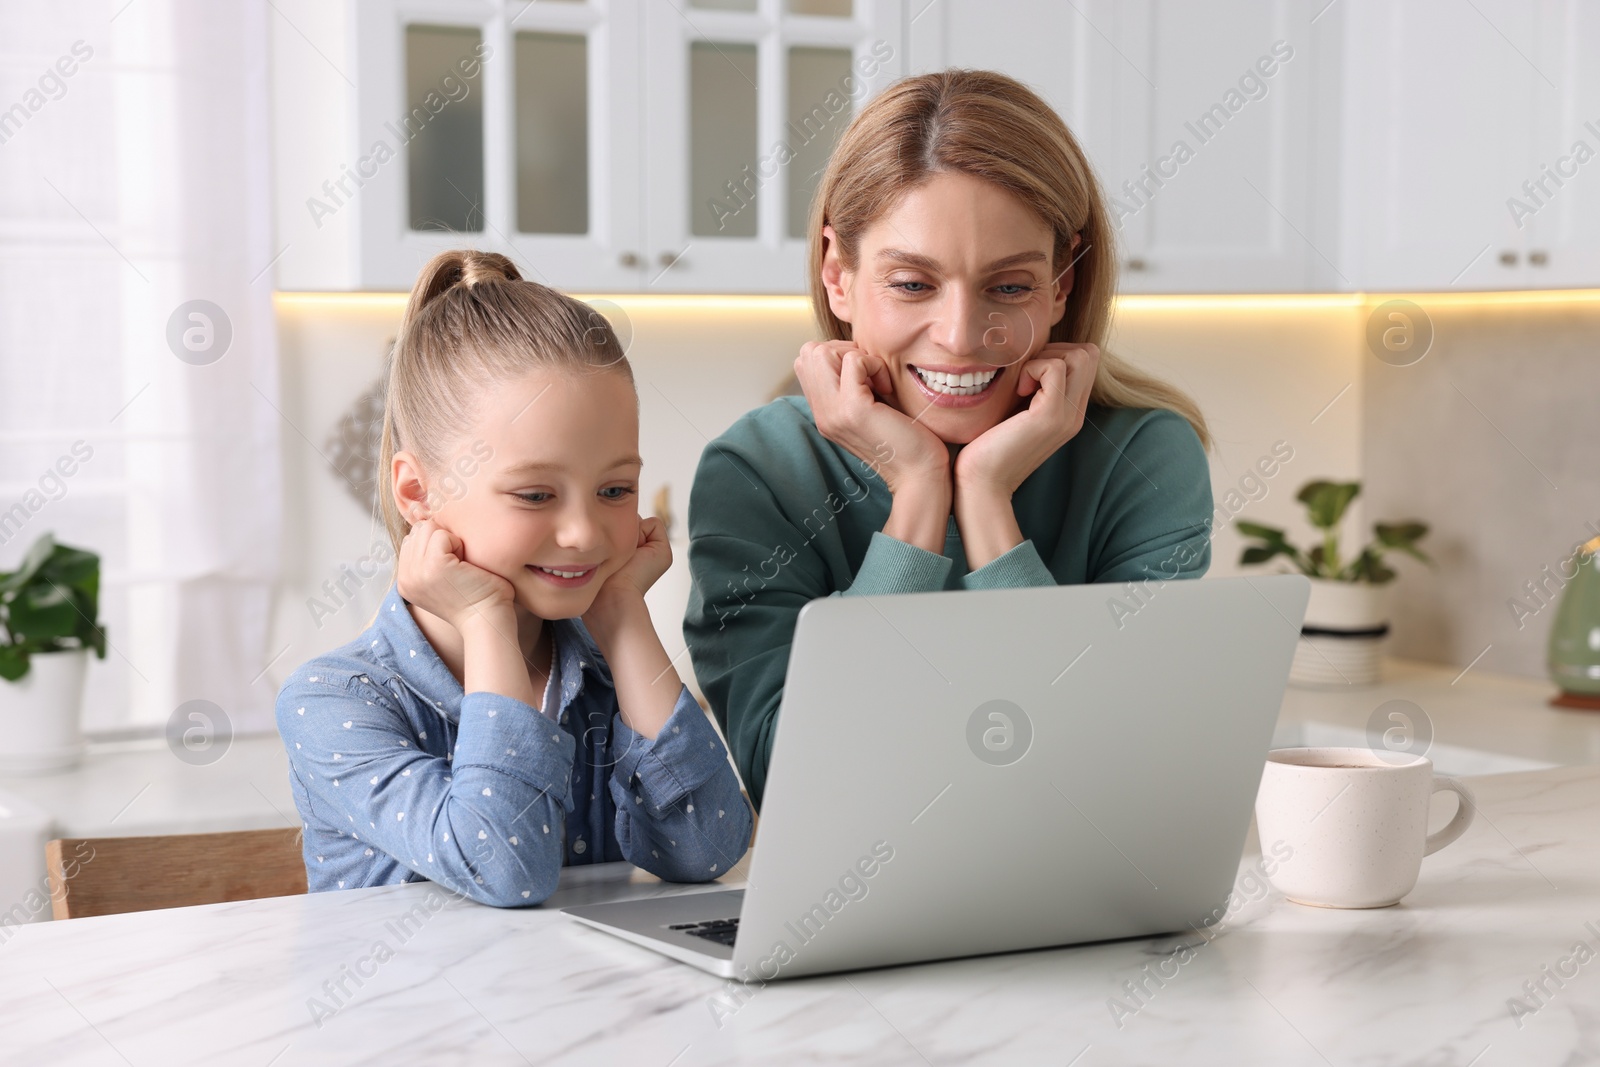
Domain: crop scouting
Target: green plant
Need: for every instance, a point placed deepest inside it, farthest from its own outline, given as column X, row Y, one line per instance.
column 49, row 604
column 1326, row 503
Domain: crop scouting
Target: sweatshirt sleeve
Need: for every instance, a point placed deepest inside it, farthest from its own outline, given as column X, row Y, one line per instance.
column 680, row 814
column 895, row 566
column 487, row 823
column 1019, row 566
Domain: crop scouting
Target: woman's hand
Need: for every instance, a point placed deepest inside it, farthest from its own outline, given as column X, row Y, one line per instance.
column 652, row 555
column 840, row 382
column 1058, row 379
column 432, row 574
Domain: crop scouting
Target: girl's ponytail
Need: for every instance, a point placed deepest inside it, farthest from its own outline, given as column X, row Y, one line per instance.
column 459, row 266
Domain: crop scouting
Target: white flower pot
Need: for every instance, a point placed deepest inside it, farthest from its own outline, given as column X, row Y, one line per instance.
column 39, row 714
column 1343, row 636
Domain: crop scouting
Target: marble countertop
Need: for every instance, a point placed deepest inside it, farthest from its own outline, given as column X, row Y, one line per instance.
column 1430, row 981
column 1479, row 722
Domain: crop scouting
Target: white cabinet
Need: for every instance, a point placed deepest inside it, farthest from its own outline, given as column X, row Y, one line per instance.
column 1465, row 144
column 1562, row 242
column 607, row 145
column 471, row 153
column 1194, row 116
column 1437, row 133
column 672, row 145
column 742, row 111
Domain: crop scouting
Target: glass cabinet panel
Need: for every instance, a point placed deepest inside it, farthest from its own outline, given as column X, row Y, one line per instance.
column 724, row 5
column 722, row 139
column 552, row 132
column 819, row 107
column 837, row 8
column 444, row 123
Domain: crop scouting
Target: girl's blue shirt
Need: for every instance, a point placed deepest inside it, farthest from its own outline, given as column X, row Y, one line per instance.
column 400, row 776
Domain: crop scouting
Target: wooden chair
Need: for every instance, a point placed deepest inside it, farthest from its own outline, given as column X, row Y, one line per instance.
column 108, row 875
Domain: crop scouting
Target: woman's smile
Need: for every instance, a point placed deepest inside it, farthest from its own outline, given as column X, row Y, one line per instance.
column 950, row 386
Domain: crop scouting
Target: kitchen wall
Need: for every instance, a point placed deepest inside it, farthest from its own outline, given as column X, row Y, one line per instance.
column 1491, row 438
column 1263, row 369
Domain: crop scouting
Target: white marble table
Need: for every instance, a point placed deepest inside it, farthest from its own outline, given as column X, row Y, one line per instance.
column 1481, row 722
column 1426, row 982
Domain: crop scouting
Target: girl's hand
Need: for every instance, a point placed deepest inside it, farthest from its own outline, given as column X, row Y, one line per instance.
column 842, row 384
column 432, row 574
column 650, row 560
column 1058, row 378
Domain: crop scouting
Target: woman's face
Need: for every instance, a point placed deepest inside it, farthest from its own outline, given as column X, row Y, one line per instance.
column 547, row 479
column 956, row 279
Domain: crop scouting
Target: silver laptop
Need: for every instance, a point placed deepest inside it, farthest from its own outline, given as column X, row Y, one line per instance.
column 968, row 772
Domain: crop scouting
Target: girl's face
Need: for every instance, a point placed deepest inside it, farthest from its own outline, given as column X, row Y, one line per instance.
column 548, row 481
column 956, row 279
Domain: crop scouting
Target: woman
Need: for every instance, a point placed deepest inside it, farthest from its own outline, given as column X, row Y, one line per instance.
column 960, row 427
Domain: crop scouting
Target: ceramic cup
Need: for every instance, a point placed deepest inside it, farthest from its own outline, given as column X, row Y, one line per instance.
column 1356, row 823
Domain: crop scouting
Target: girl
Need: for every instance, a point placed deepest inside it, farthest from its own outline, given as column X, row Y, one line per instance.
column 478, row 734
column 961, row 427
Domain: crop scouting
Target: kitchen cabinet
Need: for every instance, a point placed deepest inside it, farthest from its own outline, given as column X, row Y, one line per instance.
column 1457, row 115
column 672, row 145
column 1195, row 118
column 1428, row 145
column 609, row 145
column 1470, row 135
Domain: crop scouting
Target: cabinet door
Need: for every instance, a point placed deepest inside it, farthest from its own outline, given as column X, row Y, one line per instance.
column 1558, row 207
column 507, row 125
column 746, row 100
column 1438, row 132
column 1134, row 80
column 1202, row 112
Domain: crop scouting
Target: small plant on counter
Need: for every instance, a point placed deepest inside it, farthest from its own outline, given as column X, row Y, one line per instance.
column 51, row 603
column 1326, row 503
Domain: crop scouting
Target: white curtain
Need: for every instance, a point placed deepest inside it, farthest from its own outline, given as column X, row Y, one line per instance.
column 136, row 324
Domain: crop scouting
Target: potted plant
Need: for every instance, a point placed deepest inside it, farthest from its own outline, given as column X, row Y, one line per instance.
column 1347, row 617
column 49, row 609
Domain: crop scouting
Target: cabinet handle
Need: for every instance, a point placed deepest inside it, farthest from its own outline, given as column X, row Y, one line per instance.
column 629, row 259
column 1539, row 258
column 1136, row 263
column 1508, row 258
column 667, row 260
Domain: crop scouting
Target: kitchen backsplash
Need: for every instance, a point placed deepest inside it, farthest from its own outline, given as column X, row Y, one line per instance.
column 1492, row 438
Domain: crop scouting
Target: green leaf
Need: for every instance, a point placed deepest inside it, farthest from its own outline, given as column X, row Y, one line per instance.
column 31, row 563
column 96, row 640
column 72, row 567
column 1403, row 537
column 13, row 662
column 1326, row 501
column 42, row 620
column 1258, row 554
column 1255, row 529
column 53, row 600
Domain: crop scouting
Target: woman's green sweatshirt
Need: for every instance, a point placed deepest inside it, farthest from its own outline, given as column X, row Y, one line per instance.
column 779, row 516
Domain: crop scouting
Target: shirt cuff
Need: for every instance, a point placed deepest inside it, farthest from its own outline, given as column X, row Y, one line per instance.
column 505, row 735
column 1015, row 568
column 893, row 566
column 681, row 758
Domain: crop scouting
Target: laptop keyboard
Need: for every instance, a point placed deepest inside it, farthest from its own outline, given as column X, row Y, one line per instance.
column 722, row 931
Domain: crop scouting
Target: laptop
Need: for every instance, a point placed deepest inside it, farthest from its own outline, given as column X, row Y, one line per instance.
column 980, row 771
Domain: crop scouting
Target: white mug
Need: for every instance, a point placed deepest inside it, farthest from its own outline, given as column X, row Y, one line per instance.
column 1356, row 822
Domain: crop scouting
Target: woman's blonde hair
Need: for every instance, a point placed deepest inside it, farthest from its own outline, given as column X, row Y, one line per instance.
column 994, row 128
column 473, row 323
